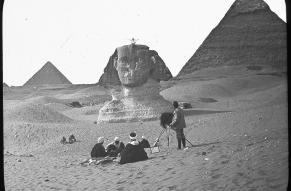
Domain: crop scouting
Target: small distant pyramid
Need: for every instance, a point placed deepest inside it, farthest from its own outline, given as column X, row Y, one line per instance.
column 249, row 34
column 5, row 85
column 47, row 75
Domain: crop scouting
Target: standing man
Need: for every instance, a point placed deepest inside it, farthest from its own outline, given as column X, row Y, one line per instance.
column 178, row 124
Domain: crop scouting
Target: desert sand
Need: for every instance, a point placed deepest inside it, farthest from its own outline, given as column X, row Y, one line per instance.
column 238, row 125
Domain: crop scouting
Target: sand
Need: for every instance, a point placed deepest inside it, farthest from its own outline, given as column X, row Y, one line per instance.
column 240, row 141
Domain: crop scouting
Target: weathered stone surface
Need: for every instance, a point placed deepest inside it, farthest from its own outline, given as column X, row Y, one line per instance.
column 138, row 98
column 249, row 34
column 158, row 68
column 47, row 75
column 134, row 104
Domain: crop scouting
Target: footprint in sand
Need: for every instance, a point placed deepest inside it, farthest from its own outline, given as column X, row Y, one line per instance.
column 139, row 175
column 240, row 174
column 225, row 162
column 239, row 163
column 163, row 157
column 174, row 187
column 224, row 156
column 168, row 169
column 145, row 166
column 166, row 178
column 214, row 170
column 181, row 162
column 262, row 172
column 120, row 181
column 235, row 181
column 216, row 176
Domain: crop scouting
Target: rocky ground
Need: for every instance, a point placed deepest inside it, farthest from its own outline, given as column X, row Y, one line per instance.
column 238, row 125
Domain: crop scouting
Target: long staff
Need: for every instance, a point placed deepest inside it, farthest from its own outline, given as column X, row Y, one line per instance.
column 189, row 142
column 158, row 139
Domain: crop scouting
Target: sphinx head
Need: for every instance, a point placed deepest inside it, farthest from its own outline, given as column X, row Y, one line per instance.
column 134, row 64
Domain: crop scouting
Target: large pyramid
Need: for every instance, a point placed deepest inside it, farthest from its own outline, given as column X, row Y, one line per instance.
column 110, row 75
column 249, row 34
column 47, row 75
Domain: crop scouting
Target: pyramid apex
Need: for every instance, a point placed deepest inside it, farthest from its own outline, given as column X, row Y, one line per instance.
column 246, row 6
column 48, row 63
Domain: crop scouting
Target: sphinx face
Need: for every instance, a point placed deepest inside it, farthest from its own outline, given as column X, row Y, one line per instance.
column 133, row 64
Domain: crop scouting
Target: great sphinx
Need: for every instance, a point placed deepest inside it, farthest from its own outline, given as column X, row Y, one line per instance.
column 138, row 98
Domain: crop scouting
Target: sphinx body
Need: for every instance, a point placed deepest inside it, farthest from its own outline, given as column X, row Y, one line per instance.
column 138, row 98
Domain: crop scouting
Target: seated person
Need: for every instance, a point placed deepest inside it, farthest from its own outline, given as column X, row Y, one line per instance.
column 132, row 152
column 63, row 141
column 98, row 149
column 115, row 147
column 144, row 143
column 72, row 139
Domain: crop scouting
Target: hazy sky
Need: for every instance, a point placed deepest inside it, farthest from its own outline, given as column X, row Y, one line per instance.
column 79, row 36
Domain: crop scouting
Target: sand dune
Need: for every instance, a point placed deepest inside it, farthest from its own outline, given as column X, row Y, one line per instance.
column 240, row 140
column 30, row 112
column 44, row 100
column 223, row 89
column 24, row 137
column 87, row 96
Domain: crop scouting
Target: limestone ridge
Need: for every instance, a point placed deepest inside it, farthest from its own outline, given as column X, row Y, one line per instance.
column 110, row 75
column 249, row 34
column 47, row 75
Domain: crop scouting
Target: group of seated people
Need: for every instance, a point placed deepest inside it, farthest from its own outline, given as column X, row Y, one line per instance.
column 132, row 152
column 72, row 139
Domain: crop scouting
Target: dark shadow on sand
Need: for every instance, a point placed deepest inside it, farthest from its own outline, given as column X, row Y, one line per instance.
column 162, row 156
column 205, row 144
column 188, row 112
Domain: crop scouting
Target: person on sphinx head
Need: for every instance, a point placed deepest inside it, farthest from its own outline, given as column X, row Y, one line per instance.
column 72, row 139
column 115, row 147
column 133, row 151
column 98, row 150
column 144, row 143
column 178, row 124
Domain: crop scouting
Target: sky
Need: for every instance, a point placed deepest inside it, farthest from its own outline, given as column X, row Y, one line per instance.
column 79, row 36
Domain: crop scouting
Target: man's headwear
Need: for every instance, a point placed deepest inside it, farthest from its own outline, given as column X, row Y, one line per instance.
column 143, row 137
column 175, row 104
column 132, row 135
column 101, row 140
